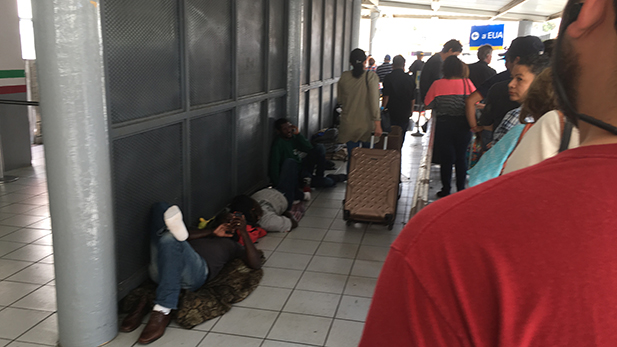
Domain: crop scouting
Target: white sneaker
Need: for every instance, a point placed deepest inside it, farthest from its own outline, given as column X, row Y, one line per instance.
column 175, row 224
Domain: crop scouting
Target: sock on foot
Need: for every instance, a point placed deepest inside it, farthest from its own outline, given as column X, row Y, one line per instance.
column 173, row 220
column 164, row 310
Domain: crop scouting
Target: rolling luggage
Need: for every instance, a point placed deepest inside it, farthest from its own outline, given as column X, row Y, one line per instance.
column 373, row 185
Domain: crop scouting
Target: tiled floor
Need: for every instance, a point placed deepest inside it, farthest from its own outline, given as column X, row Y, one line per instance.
column 317, row 285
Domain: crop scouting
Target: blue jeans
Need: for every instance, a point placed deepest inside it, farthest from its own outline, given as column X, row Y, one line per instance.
column 350, row 146
column 174, row 264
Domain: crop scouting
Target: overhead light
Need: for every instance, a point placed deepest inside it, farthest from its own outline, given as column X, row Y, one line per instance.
column 435, row 5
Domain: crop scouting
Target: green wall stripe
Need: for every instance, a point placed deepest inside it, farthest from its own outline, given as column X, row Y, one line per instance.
column 12, row 73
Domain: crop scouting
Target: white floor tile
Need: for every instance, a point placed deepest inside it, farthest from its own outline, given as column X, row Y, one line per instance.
column 378, row 239
column 25, row 235
column 339, row 250
column 207, row 325
column 4, row 342
column 322, row 282
column 176, row 337
column 37, row 274
column 344, row 236
column 304, row 233
column 246, row 322
column 126, row 339
column 9, row 267
column 268, row 243
column 312, row 303
column 283, row 278
column 21, row 220
column 353, row 308
column 43, row 299
column 300, row 329
column 309, row 222
column 222, row 340
column 17, row 208
column 340, row 266
column 287, row 260
column 365, row 268
column 312, row 212
column 372, row 253
column 360, row 286
column 45, row 332
column 272, row 343
column 14, row 321
column 266, row 298
column 8, row 247
column 30, row 253
column 345, row 334
column 298, row 246
column 5, row 230
column 25, row 344
column 13, row 291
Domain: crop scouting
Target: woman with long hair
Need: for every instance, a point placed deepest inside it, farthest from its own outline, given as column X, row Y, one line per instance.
column 358, row 93
column 446, row 98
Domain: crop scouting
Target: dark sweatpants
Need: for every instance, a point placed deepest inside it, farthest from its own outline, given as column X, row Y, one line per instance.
column 452, row 136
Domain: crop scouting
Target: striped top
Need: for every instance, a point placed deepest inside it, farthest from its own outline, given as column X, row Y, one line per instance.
column 447, row 97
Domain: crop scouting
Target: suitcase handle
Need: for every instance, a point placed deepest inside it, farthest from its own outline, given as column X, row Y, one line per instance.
column 385, row 141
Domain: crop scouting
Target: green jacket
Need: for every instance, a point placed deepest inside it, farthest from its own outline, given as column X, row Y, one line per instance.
column 283, row 149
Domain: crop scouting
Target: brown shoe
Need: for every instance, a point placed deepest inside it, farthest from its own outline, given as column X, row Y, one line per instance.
column 155, row 328
column 133, row 320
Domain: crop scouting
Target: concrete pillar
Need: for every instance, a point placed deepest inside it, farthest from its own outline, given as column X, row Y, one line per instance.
column 294, row 58
column 356, row 16
column 375, row 14
column 72, row 97
column 524, row 27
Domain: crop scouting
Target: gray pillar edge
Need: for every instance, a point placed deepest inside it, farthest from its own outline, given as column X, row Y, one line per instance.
column 294, row 58
column 375, row 15
column 356, row 16
column 69, row 47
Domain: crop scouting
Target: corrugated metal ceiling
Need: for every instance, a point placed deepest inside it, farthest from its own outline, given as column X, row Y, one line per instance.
column 534, row 10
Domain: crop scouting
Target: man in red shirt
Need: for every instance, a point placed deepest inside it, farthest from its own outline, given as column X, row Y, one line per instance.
column 538, row 267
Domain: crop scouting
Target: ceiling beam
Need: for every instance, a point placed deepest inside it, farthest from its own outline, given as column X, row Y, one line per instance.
column 502, row 11
column 555, row 15
column 370, row 2
column 413, row 6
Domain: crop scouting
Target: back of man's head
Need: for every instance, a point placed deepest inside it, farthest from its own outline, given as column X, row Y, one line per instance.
column 454, row 45
column 524, row 46
column 398, row 62
column 484, row 52
column 386, row 59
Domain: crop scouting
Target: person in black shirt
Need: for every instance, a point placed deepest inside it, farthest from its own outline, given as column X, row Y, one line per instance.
column 432, row 69
column 398, row 94
column 416, row 66
column 480, row 71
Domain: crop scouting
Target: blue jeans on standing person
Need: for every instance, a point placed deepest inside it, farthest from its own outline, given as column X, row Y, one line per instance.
column 452, row 136
column 351, row 145
column 174, row 264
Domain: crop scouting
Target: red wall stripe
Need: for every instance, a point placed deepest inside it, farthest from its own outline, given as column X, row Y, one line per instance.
column 13, row 89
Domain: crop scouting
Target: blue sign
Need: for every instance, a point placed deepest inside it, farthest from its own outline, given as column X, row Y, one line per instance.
column 486, row 34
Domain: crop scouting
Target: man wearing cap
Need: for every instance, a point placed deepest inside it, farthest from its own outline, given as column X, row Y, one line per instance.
column 384, row 68
column 416, row 66
column 480, row 71
column 495, row 89
column 432, row 69
column 398, row 94
column 538, row 267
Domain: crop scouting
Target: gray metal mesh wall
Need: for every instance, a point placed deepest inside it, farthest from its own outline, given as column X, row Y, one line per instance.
column 251, row 45
column 339, row 47
column 314, row 110
column 276, row 110
column 211, row 164
column 306, row 41
column 328, row 38
column 147, row 168
column 142, row 49
column 278, row 61
column 327, row 106
column 210, row 50
column 252, row 159
column 316, row 39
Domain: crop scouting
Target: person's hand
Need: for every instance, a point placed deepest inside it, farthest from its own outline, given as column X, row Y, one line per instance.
column 480, row 106
column 238, row 223
column 223, row 230
column 295, row 130
column 477, row 129
column 378, row 130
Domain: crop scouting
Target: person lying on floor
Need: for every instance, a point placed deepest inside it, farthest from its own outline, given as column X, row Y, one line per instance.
column 186, row 259
column 275, row 217
column 295, row 163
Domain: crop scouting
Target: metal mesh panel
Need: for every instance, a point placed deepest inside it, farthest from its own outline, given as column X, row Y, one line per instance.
column 142, row 47
column 327, row 106
column 347, row 46
column 277, row 35
column 251, row 45
column 316, row 44
column 147, row 168
column 250, row 136
column 339, row 20
column 302, row 114
column 210, row 48
column 314, row 110
column 211, row 165
column 306, row 40
column 328, row 38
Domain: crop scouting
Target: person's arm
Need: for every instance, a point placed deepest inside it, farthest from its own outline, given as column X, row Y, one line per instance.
column 470, row 110
column 301, row 143
column 384, row 101
column 373, row 100
column 220, row 231
column 294, row 222
column 251, row 256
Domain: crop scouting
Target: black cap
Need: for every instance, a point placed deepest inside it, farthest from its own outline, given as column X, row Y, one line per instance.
column 524, row 46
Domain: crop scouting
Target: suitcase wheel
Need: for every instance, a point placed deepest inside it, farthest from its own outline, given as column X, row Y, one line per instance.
column 349, row 222
column 346, row 216
column 390, row 226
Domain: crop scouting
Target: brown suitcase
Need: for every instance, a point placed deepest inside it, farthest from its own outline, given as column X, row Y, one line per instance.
column 395, row 138
column 373, row 185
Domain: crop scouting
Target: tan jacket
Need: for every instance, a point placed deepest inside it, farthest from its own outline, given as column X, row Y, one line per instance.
column 360, row 106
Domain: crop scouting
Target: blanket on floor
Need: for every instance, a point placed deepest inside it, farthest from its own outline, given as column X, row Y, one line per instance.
column 233, row 284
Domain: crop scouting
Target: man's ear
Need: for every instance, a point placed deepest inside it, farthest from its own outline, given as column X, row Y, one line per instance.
column 592, row 14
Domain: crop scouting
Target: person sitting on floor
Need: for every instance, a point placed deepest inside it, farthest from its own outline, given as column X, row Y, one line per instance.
column 293, row 160
column 186, row 259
